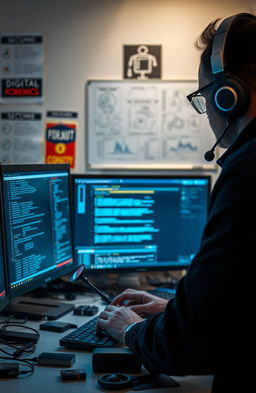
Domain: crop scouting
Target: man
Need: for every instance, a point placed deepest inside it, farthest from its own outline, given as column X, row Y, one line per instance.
column 209, row 328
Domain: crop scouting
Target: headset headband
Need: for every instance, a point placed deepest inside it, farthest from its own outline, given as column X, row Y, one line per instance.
column 219, row 41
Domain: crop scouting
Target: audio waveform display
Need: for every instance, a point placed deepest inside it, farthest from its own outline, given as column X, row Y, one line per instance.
column 121, row 148
column 183, row 146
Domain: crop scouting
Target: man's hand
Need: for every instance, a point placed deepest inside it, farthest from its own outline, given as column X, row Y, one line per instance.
column 115, row 319
column 141, row 302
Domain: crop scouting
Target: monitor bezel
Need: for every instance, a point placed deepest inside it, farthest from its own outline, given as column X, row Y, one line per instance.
column 137, row 176
column 44, row 278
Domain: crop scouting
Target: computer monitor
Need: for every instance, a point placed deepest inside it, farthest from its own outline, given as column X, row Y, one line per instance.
column 37, row 219
column 4, row 298
column 137, row 223
column 3, row 288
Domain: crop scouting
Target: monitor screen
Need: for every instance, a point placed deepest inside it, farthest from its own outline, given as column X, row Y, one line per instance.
column 3, row 289
column 136, row 223
column 3, row 286
column 37, row 216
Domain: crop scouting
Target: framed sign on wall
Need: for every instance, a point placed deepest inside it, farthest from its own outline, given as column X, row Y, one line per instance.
column 145, row 125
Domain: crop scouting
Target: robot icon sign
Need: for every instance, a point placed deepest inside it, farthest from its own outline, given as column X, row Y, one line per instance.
column 142, row 62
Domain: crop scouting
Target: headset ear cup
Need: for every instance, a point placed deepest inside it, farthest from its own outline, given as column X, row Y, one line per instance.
column 230, row 96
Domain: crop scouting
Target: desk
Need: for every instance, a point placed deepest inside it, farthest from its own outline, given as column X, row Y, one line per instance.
column 47, row 380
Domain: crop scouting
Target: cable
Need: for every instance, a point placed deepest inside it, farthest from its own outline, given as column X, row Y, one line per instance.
column 22, row 326
column 26, row 349
column 8, row 322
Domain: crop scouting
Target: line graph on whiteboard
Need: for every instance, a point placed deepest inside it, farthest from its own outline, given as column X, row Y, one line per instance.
column 118, row 149
column 182, row 149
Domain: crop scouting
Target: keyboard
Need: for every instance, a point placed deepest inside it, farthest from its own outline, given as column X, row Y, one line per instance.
column 85, row 337
column 164, row 293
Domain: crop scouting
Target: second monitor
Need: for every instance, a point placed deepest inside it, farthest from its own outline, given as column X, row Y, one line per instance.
column 138, row 223
column 38, row 233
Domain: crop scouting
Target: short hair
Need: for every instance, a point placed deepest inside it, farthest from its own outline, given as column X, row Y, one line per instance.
column 240, row 55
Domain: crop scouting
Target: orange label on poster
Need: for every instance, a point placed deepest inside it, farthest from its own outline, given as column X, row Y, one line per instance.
column 60, row 143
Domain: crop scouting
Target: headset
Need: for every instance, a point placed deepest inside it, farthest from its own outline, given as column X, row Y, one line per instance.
column 229, row 95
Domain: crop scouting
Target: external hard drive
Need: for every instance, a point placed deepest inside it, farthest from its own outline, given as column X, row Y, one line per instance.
column 56, row 359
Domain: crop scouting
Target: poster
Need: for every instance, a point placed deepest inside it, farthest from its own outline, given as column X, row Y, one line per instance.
column 21, row 137
column 145, row 125
column 21, row 71
column 60, row 138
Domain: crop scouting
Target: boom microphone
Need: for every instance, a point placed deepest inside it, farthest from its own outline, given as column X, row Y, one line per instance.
column 209, row 155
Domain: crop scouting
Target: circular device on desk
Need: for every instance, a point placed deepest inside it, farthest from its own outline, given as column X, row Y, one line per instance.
column 114, row 381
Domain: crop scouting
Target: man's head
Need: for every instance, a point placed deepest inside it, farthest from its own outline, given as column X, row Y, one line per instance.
column 240, row 56
column 239, row 63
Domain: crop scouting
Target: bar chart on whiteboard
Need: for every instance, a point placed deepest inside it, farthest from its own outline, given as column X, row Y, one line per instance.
column 140, row 125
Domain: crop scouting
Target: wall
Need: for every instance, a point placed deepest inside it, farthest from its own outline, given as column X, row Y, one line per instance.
column 84, row 41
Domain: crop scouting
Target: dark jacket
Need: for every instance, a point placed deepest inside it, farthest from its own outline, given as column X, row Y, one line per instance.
column 209, row 328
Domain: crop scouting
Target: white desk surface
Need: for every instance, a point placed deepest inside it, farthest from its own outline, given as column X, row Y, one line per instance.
column 46, row 379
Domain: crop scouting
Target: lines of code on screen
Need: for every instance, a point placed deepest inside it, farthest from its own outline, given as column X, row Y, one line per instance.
column 2, row 280
column 138, row 223
column 37, row 217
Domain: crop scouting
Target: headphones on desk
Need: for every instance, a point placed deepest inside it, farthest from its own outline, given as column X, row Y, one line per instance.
column 230, row 96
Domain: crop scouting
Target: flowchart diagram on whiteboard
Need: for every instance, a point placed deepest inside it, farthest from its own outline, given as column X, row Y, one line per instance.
column 137, row 125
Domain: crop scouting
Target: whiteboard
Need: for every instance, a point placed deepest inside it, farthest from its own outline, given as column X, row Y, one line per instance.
column 145, row 125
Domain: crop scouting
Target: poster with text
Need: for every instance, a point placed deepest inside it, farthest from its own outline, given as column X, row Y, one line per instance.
column 60, row 143
column 21, row 137
column 21, row 70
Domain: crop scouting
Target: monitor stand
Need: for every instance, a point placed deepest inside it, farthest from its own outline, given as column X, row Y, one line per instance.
column 38, row 308
column 129, row 280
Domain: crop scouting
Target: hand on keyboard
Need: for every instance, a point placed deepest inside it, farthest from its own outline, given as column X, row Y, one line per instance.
column 85, row 337
column 141, row 302
column 114, row 319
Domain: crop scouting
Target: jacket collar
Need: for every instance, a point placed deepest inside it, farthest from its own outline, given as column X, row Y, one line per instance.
column 248, row 133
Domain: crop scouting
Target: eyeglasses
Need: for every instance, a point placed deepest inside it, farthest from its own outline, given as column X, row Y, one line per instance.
column 197, row 99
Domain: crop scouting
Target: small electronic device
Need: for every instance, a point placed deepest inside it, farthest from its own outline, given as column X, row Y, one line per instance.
column 56, row 359
column 86, row 310
column 73, row 375
column 55, row 326
column 18, row 336
column 9, row 370
column 122, row 360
